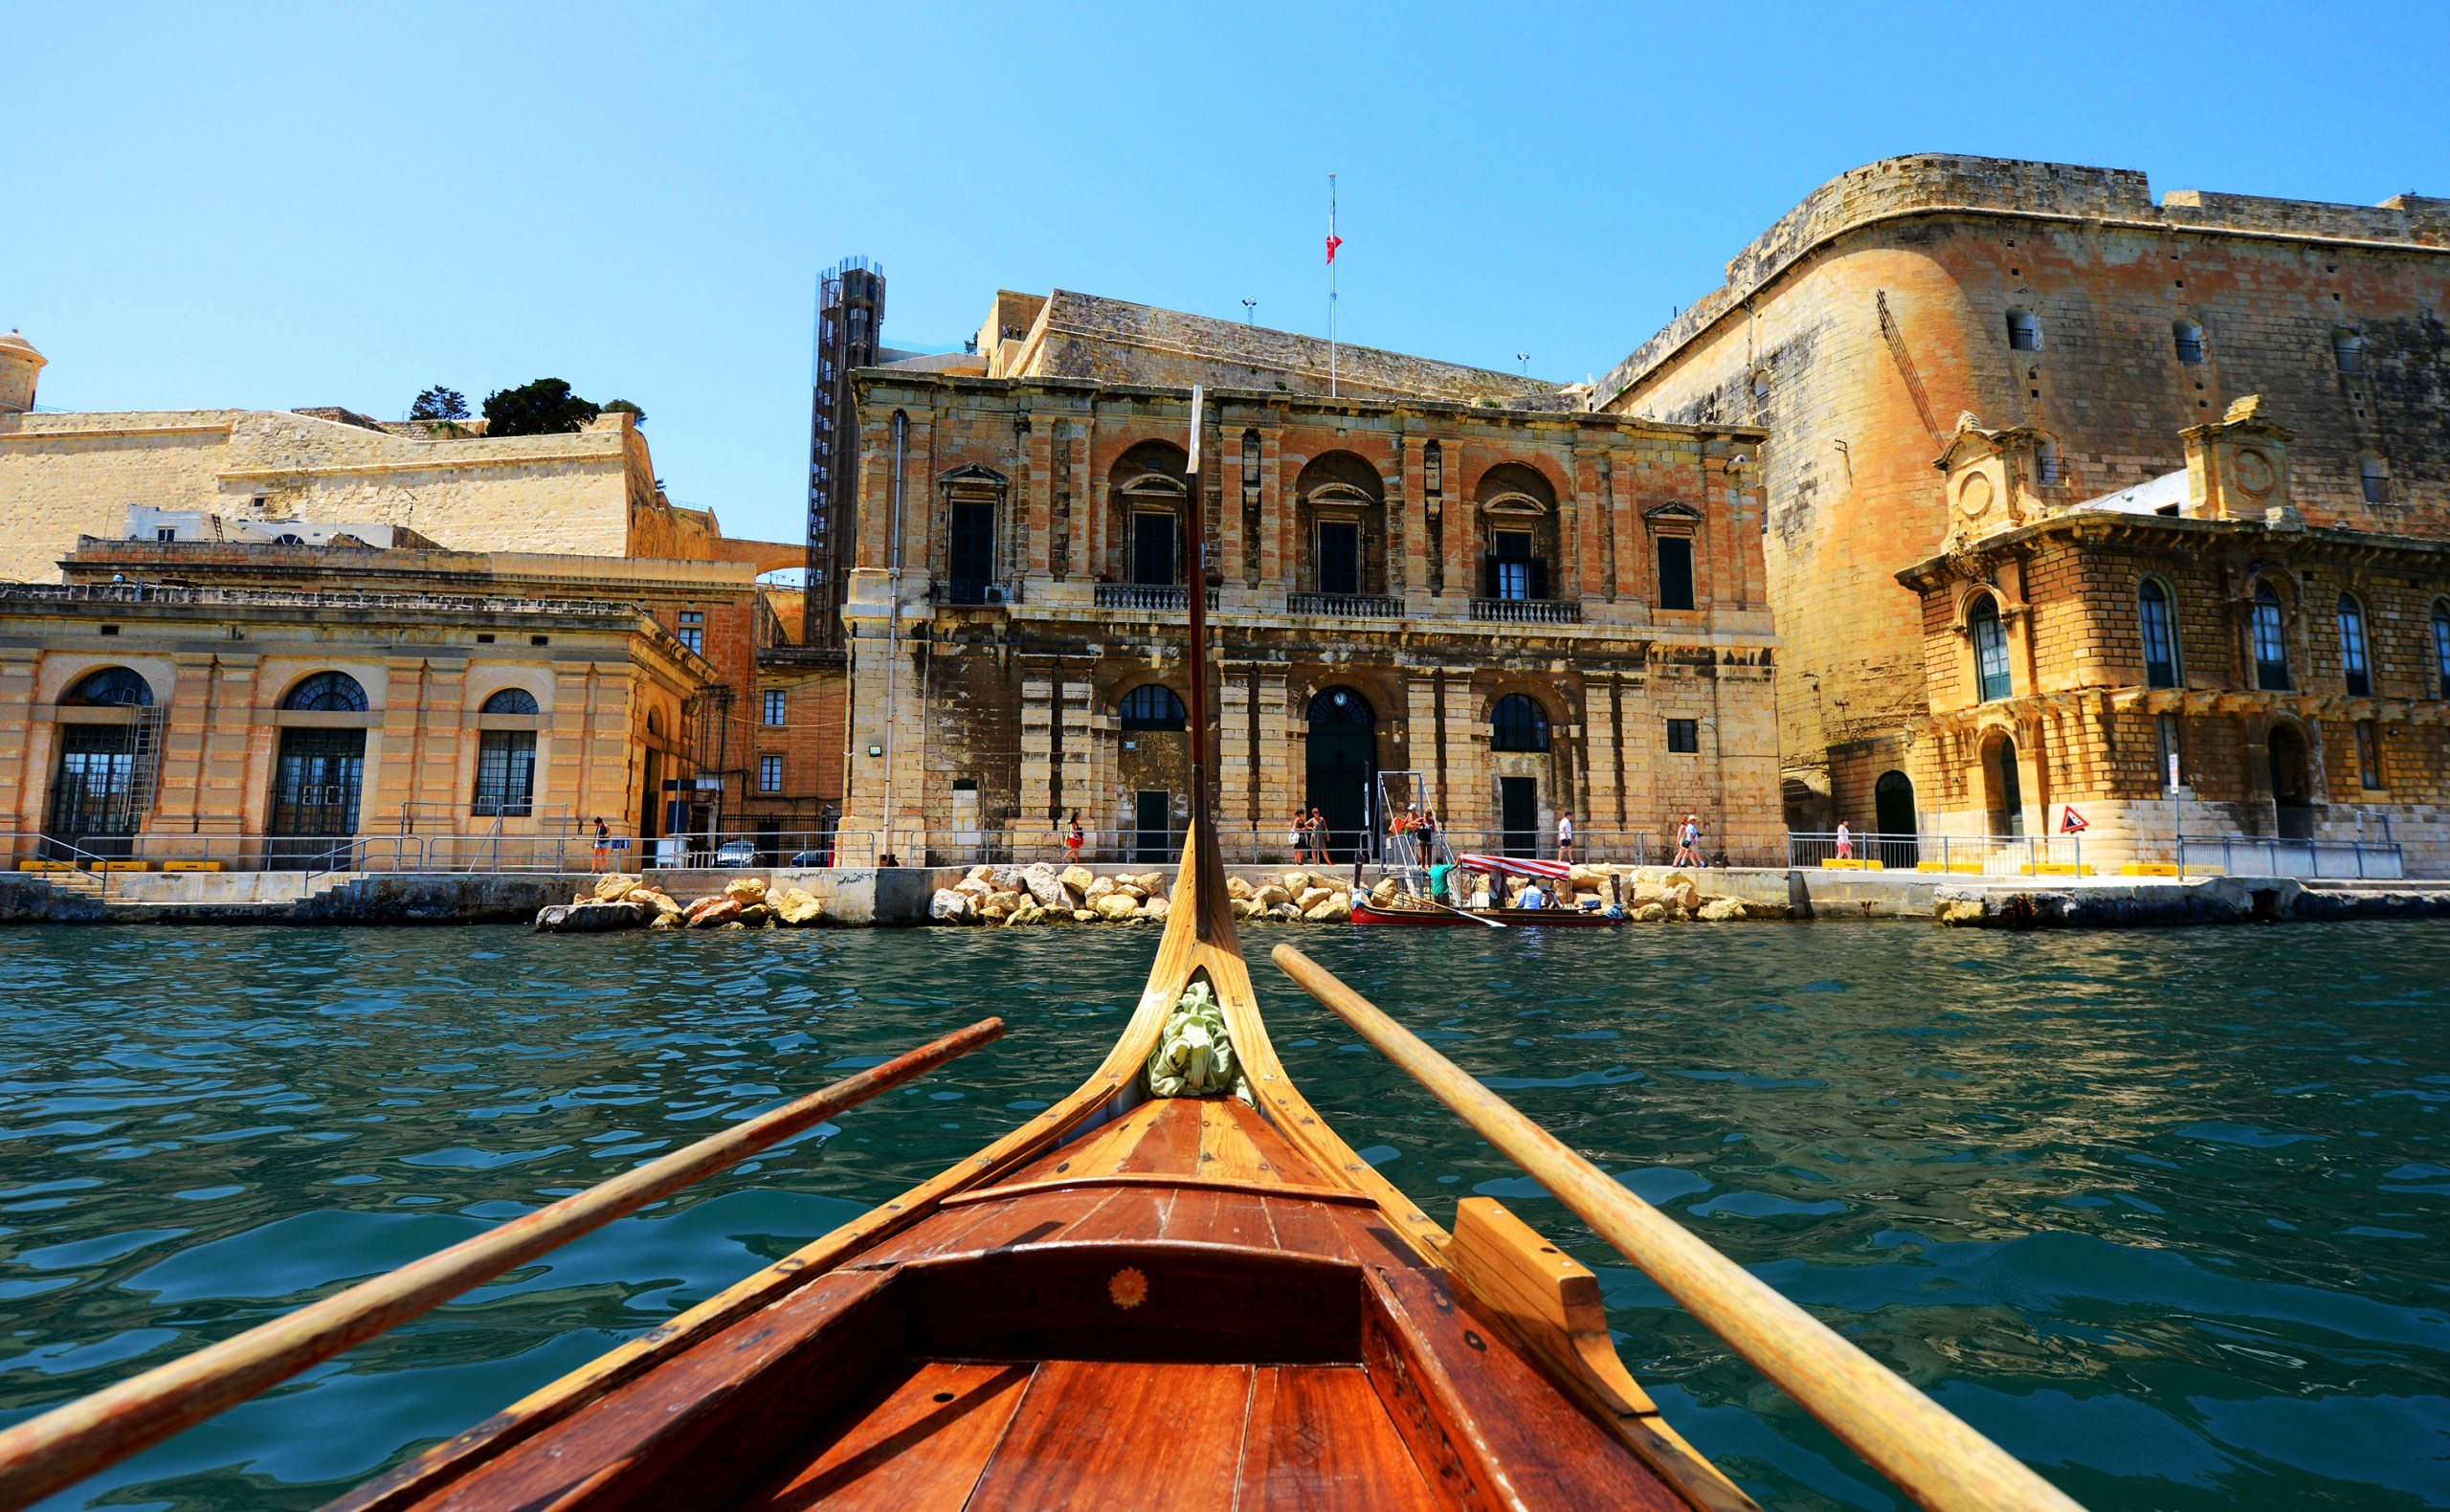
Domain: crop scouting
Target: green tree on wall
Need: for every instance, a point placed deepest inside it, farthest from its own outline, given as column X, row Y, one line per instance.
column 544, row 406
column 637, row 416
column 439, row 403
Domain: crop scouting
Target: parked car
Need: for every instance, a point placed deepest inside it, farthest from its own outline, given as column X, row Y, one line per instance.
column 812, row 858
column 736, row 853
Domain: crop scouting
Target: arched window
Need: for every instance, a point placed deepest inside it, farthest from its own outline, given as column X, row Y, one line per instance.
column 1761, row 386
column 2375, row 474
column 2348, row 349
column 2188, row 336
column 2024, row 332
column 2353, row 664
column 111, row 687
column 1153, row 706
column 2160, row 634
column 1518, row 723
column 1340, row 706
column 2441, row 646
column 2271, row 643
column 327, row 692
column 511, row 701
column 1990, row 648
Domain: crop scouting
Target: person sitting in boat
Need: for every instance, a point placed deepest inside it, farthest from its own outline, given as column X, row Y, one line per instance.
column 1532, row 897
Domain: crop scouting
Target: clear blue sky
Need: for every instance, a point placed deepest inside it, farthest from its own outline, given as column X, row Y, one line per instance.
column 341, row 204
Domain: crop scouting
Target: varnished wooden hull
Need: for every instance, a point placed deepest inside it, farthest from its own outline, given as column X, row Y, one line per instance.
column 1128, row 1301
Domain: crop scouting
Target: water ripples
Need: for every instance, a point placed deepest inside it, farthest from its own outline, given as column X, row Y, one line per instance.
column 2162, row 1212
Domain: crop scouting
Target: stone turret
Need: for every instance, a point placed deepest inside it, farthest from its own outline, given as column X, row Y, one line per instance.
column 2237, row 469
column 19, row 364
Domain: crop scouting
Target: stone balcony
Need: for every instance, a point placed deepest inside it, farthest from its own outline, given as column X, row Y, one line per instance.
column 1526, row 612
column 1149, row 597
column 1346, row 606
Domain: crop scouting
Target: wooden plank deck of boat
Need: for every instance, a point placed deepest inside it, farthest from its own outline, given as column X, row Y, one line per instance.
column 1177, row 1303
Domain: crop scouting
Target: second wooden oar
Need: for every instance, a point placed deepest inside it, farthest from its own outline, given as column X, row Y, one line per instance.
column 1927, row 1452
column 70, row 1443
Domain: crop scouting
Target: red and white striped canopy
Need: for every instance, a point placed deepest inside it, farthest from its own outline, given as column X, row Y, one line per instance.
column 1521, row 866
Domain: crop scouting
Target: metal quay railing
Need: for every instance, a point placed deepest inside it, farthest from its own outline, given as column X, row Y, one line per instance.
column 1972, row 854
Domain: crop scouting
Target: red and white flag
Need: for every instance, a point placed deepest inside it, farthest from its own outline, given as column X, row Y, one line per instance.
column 1333, row 242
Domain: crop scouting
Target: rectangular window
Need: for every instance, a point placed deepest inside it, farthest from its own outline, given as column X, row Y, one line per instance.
column 1675, row 572
column 505, row 774
column 1339, row 557
column 969, row 551
column 166, row 532
column 1510, row 565
column 2369, row 755
column 1991, row 657
column 774, row 705
column 1153, row 556
column 693, row 631
column 2271, row 648
column 770, row 775
column 1685, row 736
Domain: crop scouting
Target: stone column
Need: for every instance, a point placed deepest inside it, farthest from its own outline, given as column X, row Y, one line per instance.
column 1036, row 508
column 1038, row 803
column 1409, row 576
column 236, row 784
column 1235, row 790
column 1227, row 558
column 18, row 779
column 1592, row 520
column 446, row 770
column 1605, row 794
column 1626, row 583
column 1278, row 510
column 178, row 782
column 562, row 764
column 1278, row 758
column 1462, row 571
column 1421, row 733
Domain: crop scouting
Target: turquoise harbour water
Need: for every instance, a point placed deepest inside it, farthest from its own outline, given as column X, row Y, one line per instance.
column 2162, row 1212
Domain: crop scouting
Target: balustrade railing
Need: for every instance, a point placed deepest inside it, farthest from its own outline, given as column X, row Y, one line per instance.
column 1344, row 605
column 1158, row 597
column 1527, row 612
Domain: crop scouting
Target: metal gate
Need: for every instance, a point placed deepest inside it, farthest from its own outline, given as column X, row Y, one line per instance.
column 314, row 798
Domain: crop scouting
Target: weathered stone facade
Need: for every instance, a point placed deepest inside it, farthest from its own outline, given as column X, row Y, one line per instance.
column 2299, row 673
column 1905, row 293
column 1424, row 558
column 197, row 698
column 592, row 492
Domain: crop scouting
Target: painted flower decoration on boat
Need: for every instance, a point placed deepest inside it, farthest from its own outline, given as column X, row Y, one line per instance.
column 1193, row 1057
column 1128, row 1288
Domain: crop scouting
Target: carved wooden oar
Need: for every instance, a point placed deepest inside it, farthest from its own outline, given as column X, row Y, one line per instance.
column 1930, row 1453
column 70, row 1443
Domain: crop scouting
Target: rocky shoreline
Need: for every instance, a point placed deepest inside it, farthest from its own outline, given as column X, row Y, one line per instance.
column 1045, row 895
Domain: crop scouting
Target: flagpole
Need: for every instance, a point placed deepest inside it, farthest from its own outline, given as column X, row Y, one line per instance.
column 1331, row 285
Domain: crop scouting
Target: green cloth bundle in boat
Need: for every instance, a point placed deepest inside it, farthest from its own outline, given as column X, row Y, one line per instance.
column 1193, row 1057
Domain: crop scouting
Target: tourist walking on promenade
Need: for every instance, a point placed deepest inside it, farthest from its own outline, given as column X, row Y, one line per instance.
column 1845, row 841
column 603, row 845
column 1688, row 843
column 1073, row 839
column 1564, row 837
column 1317, row 827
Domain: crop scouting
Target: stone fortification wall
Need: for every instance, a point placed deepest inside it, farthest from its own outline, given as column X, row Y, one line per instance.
column 1082, row 335
column 62, row 476
column 1863, row 324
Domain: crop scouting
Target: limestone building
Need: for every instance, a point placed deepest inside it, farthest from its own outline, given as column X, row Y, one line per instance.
column 592, row 492
column 514, row 638
column 1463, row 575
column 2085, row 330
